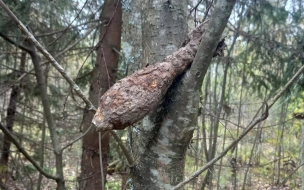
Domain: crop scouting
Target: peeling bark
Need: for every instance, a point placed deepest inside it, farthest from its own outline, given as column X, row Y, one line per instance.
column 133, row 97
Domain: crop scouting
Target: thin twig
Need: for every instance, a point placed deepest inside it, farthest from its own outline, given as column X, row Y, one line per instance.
column 100, row 160
column 118, row 52
column 222, row 154
column 69, row 23
column 78, row 138
column 105, row 62
column 75, row 87
column 207, row 11
column 62, row 30
column 69, row 47
column 123, row 148
column 195, row 7
column 287, row 85
column 63, row 51
column 265, row 115
column 285, row 180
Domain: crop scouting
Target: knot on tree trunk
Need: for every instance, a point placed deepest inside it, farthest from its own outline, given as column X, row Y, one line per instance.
column 133, row 97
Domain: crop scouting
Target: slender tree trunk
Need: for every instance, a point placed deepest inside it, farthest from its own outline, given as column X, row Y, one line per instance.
column 103, row 76
column 30, row 48
column 205, row 112
column 49, row 118
column 236, row 149
column 280, row 140
column 42, row 148
column 234, row 164
column 41, row 154
column 10, row 118
column 218, row 108
column 251, row 156
column 213, row 130
column 221, row 161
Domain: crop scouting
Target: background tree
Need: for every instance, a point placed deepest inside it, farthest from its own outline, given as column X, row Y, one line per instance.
column 30, row 114
column 103, row 76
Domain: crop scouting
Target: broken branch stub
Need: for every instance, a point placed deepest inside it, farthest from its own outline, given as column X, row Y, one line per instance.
column 133, row 97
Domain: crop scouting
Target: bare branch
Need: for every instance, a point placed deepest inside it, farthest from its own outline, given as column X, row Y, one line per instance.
column 70, row 23
column 123, row 148
column 14, row 43
column 25, row 154
column 78, row 138
column 287, row 85
column 49, row 57
column 289, row 176
column 100, row 161
column 248, row 129
column 65, row 50
column 222, row 154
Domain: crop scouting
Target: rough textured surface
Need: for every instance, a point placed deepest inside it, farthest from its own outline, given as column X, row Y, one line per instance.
column 103, row 75
column 133, row 97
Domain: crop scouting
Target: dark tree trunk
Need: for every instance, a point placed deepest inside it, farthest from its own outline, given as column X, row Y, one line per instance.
column 10, row 117
column 104, row 75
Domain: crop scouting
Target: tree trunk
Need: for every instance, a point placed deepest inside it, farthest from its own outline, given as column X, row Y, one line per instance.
column 132, row 37
column 132, row 51
column 49, row 118
column 43, row 135
column 10, row 118
column 164, row 27
column 103, row 76
column 166, row 133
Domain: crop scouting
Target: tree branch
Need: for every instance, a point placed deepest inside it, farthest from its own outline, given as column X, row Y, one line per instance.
column 25, row 154
column 247, row 130
column 69, row 25
column 49, row 57
column 214, row 160
column 123, row 148
column 14, row 43
column 78, row 138
column 287, row 85
column 210, row 38
column 65, row 50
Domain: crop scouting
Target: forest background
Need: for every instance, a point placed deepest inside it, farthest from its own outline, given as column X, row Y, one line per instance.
column 48, row 141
